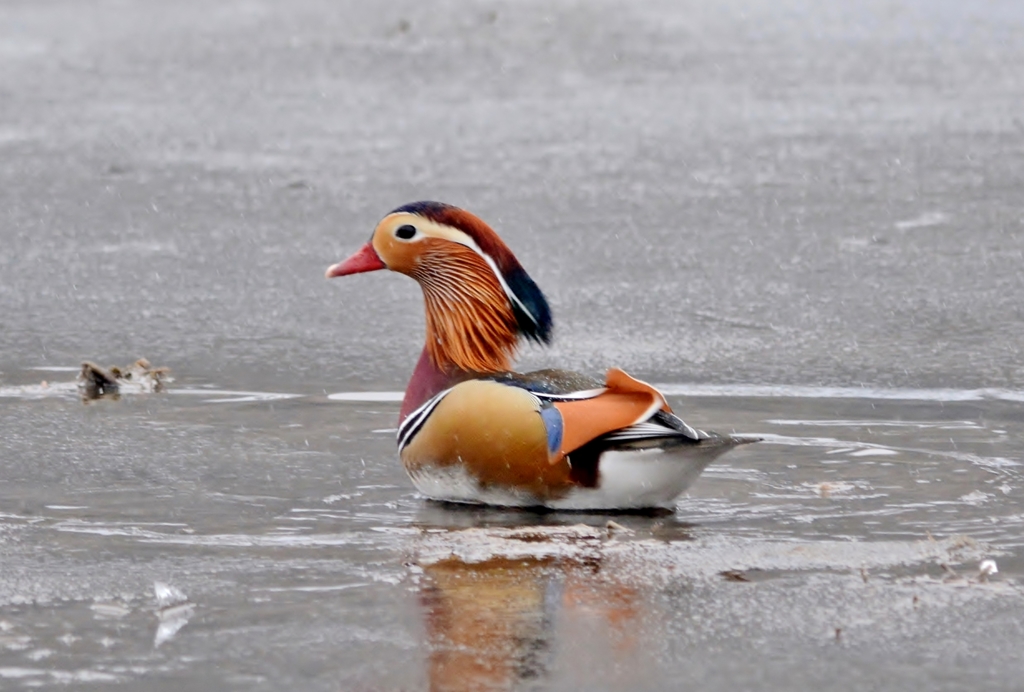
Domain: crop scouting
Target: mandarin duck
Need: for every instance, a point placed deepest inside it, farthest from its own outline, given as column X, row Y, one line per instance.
column 472, row 430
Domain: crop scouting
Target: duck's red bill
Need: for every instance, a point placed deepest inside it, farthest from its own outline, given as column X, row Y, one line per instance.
column 364, row 260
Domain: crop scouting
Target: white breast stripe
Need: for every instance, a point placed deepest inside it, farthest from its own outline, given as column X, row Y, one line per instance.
column 412, row 424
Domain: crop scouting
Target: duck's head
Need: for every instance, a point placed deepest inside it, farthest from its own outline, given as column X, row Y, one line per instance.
column 479, row 299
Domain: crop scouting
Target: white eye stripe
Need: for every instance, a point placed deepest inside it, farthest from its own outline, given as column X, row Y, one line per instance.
column 456, row 235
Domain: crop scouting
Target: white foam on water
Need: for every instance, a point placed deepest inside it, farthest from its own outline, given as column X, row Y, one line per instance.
column 59, row 676
column 925, row 220
column 312, row 589
column 803, row 392
column 213, row 540
column 775, row 391
column 706, row 556
column 229, row 396
column 869, row 449
column 14, row 672
column 874, row 452
column 367, row 396
column 841, row 423
column 39, row 391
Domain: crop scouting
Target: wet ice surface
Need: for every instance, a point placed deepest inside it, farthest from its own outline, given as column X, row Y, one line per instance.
column 243, row 540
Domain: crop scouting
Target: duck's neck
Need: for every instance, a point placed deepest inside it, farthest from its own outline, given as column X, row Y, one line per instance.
column 471, row 326
column 470, row 323
column 427, row 380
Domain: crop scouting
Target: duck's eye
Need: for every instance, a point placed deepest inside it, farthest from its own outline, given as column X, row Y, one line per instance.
column 405, row 232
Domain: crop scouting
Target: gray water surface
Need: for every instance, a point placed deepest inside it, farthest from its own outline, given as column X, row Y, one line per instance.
column 803, row 218
column 843, row 549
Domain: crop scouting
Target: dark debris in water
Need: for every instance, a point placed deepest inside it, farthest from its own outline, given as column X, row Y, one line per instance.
column 734, row 575
column 96, row 382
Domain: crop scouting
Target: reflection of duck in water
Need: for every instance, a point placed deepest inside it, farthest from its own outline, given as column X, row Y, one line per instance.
column 489, row 623
column 496, row 623
column 471, row 430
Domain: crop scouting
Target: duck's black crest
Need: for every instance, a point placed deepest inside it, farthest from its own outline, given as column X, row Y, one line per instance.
column 431, row 210
column 537, row 325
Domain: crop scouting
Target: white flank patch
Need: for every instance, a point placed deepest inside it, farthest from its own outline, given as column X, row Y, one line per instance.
column 627, row 480
column 640, row 478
